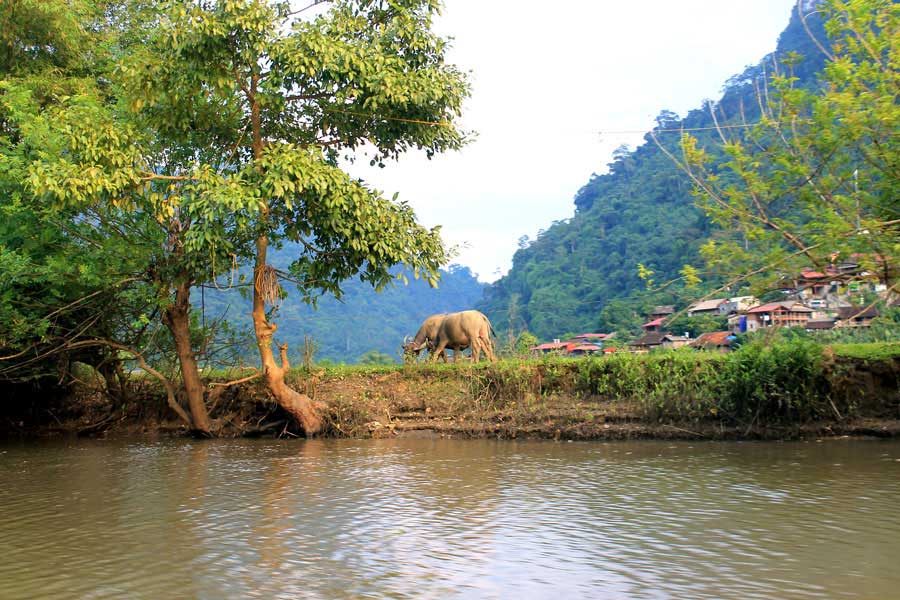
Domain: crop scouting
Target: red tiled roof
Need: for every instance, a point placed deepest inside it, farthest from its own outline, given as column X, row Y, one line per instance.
column 550, row 346
column 714, row 338
column 810, row 274
column 584, row 336
column 772, row 306
column 654, row 322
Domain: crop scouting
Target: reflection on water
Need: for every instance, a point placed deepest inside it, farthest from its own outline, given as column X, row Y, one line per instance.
column 437, row 519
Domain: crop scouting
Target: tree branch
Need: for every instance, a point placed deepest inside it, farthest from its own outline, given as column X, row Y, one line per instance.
column 169, row 387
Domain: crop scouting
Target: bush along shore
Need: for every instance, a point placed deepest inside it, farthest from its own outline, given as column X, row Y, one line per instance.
column 785, row 390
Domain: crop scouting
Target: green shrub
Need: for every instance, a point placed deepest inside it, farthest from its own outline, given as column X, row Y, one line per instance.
column 774, row 382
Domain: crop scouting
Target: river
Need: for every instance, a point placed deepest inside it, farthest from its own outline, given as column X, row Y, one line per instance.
column 449, row 519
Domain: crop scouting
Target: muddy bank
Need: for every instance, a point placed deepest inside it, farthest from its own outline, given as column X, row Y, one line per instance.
column 662, row 397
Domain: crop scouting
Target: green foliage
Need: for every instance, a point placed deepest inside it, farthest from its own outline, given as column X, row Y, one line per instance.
column 359, row 73
column 771, row 382
column 524, row 342
column 36, row 35
column 760, row 383
column 625, row 317
column 815, row 179
column 64, row 281
column 870, row 352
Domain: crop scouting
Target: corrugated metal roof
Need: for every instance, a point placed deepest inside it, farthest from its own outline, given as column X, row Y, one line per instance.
column 654, row 338
column 714, row 338
column 707, row 305
column 820, row 324
column 550, row 346
column 654, row 322
column 586, row 348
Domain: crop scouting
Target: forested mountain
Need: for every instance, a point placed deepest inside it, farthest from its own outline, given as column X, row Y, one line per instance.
column 362, row 321
column 582, row 273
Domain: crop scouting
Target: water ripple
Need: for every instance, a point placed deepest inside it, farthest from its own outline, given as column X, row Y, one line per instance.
column 439, row 519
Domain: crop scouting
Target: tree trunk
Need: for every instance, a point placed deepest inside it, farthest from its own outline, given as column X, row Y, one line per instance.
column 113, row 390
column 177, row 319
column 300, row 406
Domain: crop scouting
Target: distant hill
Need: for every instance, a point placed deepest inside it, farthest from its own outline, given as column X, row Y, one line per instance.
column 581, row 274
column 363, row 320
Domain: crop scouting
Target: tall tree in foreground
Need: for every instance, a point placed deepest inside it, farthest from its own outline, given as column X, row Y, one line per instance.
column 286, row 98
column 99, row 180
column 817, row 179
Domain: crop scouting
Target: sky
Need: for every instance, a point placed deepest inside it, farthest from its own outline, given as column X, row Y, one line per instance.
column 554, row 85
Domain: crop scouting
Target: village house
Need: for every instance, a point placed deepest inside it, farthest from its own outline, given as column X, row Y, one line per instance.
column 788, row 313
column 583, row 349
column 820, row 324
column 594, row 338
column 831, row 287
column 719, row 341
column 554, row 347
column 662, row 311
column 579, row 345
column 706, row 307
column 738, row 304
column 654, row 326
column 855, row 316
column 811, row 285
column 657, row 339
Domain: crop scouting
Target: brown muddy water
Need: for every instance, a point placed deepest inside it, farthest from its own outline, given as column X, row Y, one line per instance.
column 444, row 519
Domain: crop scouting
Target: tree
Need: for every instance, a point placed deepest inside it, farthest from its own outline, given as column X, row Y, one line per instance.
column 62, row 288
column 100, row 176
column 621, row 317
column 623, row 161
column 817, row 179
column 249, row 109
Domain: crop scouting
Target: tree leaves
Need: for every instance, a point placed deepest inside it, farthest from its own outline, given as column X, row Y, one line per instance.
column 816, row 179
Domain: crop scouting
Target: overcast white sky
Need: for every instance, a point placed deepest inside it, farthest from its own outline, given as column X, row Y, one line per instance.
column 547, row 78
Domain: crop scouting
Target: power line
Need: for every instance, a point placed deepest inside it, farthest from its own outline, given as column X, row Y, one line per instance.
column 682, row 129
column 600, row 132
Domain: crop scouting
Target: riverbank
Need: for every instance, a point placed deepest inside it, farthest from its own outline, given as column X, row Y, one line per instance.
column 784, row 391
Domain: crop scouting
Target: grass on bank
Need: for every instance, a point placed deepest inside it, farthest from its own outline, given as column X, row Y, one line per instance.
column 875, row 352
column 764, row 382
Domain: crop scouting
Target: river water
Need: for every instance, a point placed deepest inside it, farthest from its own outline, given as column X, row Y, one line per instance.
column 448, row 519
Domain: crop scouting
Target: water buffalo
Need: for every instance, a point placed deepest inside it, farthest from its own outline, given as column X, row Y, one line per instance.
column 462, row 330
column 424, row 337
